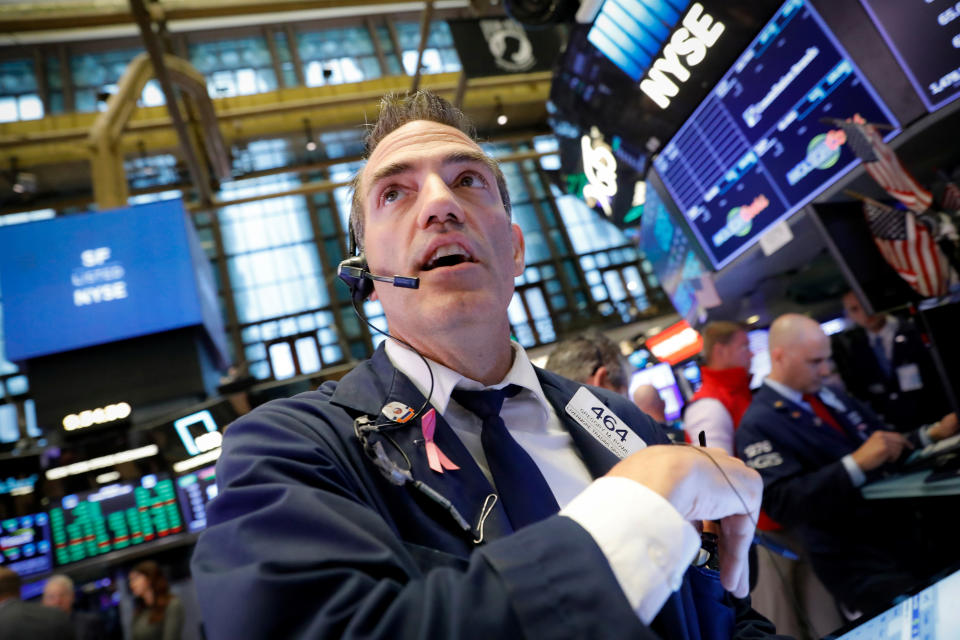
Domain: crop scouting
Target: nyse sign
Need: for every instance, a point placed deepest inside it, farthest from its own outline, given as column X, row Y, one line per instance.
column 686, row 49
column 98, row 280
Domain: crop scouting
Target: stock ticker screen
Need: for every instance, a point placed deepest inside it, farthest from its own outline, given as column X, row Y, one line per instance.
column 195, row 491
column 25, row 544
column 115, row 516
column 924, row 36
column 755, row 150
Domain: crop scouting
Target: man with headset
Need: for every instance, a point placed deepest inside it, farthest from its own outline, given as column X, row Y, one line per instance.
column 419, row 496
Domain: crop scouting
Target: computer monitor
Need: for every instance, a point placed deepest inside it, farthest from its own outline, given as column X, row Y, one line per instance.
column 195, row 490
column 931, row 614
column 661, row 376
column 115, row 516
column 760, row 362
column 25, row 544
column 757, row 148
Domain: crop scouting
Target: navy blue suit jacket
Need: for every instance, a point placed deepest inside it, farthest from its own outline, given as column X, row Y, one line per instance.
column 308, row 539
column 864, row 378
column 807, row 488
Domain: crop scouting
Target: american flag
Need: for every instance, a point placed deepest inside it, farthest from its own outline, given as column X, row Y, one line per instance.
column 909, row 248
column 951, row 197
column 883, row 165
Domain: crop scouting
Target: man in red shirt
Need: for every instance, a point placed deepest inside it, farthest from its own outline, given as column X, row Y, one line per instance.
column 783, row 585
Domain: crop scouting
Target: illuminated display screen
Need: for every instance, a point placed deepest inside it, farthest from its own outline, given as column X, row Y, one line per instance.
column 116, row 516
column 81, row 280
column 924, row 38
column 755, row 150
column 760, row 361
column 661, row 376
column 195, row 490
column 682, row 275
column 931, row 613
column 25, row 544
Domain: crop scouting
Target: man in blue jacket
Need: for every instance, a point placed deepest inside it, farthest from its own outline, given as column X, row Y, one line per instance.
column 814, row 447
column 419, row 496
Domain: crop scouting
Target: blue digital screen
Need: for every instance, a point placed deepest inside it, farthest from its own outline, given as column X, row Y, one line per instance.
column 671, row 253
column 25, row 544
column 924, row 38
column 931, row 614
column 756, row 150
column 195, row 490
column 81, row 280
column 631, row 32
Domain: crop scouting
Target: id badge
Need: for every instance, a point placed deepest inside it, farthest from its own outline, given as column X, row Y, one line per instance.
column 908, row 376
column 604, row 425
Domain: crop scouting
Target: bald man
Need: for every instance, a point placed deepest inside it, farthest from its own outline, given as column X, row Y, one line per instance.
column 648, row 400
column 814, row 447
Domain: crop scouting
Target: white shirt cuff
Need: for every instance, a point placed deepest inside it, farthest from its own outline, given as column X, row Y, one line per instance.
column 857, row 477
column 924, row 434
column 646, row 541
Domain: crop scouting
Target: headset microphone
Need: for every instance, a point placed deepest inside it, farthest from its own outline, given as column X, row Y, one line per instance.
column 353, row 271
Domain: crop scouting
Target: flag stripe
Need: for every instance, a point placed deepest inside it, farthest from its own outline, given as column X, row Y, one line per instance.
column 907, row 245
column 882, row 164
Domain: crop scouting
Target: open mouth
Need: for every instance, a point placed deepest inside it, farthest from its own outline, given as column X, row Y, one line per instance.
column 447, row 256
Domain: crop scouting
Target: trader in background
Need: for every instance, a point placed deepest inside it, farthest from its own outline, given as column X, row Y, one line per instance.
column 786, row 589
column 591, row 358
column 648, row 399
column 59, row 593
column 815, row 447
column 885, row 363
column 716, row 408
column 20, row 620
column 446, row 488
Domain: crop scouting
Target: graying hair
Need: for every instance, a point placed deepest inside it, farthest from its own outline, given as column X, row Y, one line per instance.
column 398, row 109
column 579, row 358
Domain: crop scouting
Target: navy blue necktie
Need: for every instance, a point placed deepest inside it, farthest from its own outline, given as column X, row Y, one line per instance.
column 881, row 355
column 525, row 494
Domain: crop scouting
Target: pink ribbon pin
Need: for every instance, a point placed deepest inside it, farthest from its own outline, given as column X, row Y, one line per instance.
column 437, row 459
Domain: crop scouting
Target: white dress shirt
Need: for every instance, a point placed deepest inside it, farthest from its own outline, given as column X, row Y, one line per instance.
column 887, row 335
column 646, row 541
column 712, row 418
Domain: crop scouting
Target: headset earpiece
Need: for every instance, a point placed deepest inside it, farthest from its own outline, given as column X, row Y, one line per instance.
column 352, row 271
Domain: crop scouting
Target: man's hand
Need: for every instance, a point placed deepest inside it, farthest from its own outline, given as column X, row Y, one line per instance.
column 947, row 427
column 880, row 448
column 692, row 480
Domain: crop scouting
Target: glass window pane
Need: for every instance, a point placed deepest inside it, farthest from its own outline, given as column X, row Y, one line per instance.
column 307, row 355
column 281, row 359
column 614, row 285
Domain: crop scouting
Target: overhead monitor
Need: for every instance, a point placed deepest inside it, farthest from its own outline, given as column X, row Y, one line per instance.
column 192, row 431
column 756, row 150
column 116, row 516
column 676, row 343
column 81, row 280
column 662, row 378
column 925, row 39
column 195, row 490
column 674, row 255
column 25, row 544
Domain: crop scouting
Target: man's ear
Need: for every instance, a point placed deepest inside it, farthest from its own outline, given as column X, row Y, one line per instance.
column 518, row 250
column 600, row 378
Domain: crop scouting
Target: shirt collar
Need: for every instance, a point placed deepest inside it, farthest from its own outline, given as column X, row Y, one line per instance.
column 790, row 394
column 445, row 380
column 889, row 329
